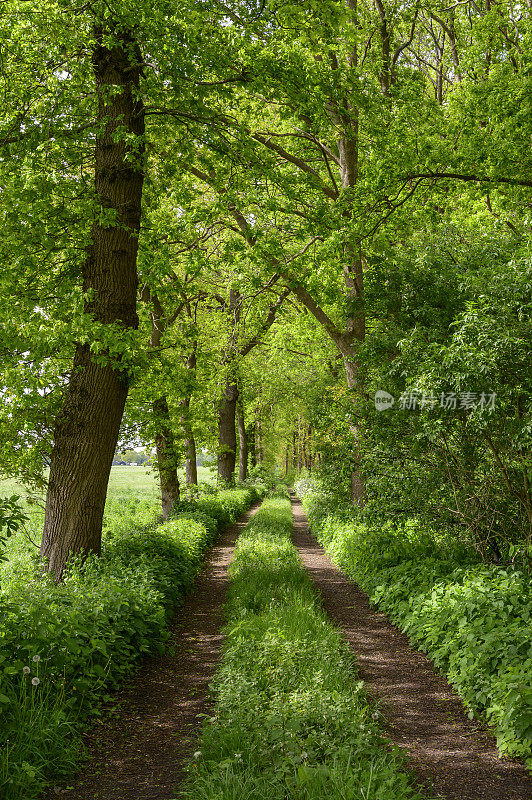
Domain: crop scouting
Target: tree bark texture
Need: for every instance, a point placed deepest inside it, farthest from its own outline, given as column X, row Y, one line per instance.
column 191, row 469
column 87, row 427
column 227, row 432
column 242, row 440
column 165, row 447
column 167, row 462
column 251, row 445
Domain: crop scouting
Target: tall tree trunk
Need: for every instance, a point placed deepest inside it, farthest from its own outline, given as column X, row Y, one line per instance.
column 167, row 462
column 87, row 427
column 167, row 457
column 252, row 435
column 310, row 456
column 191, row 469
column 346, row 116
column 191, row 461
column 227, row 432
column 259, row 451
column 242, row 440
column 227, row 404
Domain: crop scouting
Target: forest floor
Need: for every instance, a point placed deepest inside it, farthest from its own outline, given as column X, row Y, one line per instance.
column 453, row 756
column 138, row 752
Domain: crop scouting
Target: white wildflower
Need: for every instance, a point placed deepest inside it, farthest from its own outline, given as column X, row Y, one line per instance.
column 26, row 670
column 197, row 754
column 36, row 658
column 35, row 681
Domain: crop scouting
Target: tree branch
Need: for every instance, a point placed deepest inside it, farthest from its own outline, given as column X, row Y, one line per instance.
column 472, row 178
column 408, row 42
column 266, row 325
column 298, row 162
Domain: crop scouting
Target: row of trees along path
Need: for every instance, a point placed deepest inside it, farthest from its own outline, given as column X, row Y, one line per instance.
column 138, row 753
column 283, row 157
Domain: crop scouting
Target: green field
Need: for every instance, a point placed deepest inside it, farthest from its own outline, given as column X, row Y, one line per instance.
column 123, row 480
column 133, row 493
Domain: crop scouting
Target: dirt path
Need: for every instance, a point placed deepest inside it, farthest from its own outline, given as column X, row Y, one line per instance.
column 454, row 756
column 138, row 753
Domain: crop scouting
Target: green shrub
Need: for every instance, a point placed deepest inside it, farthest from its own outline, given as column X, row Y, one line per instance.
column 280, row 490
column 473, row 620
column 260, row 477
column 225, row 505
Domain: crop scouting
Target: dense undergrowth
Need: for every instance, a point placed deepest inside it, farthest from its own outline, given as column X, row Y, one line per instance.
column 473, row 620
column 291, row 719
column 65, row 647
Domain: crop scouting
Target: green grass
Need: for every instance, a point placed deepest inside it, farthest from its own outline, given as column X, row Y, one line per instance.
column 9, row 486
column 133, row 479
column 291, row 719
column 144, row 479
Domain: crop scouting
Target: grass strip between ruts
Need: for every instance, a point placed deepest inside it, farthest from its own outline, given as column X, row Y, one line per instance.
column 291, row 719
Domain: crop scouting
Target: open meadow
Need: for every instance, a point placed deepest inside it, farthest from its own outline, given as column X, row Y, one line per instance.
column 140, row 481
column 133, row 497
